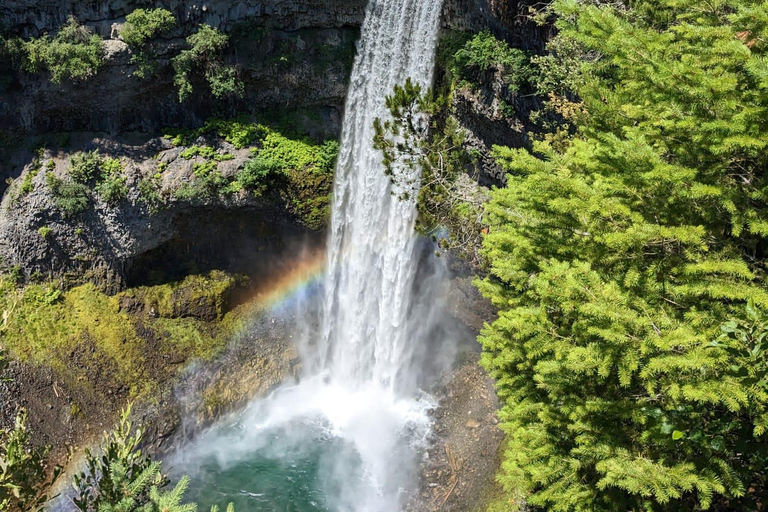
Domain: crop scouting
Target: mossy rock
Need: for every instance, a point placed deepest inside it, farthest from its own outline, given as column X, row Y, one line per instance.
column 205, row 297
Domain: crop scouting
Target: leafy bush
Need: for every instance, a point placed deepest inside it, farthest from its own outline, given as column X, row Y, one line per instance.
column 70, row 197
column 149, row 193
column 122, row 478
column 26, row 185
column 300, row 169
column 239, row 132
column 298, row 154
column 140, row 26
column 259, row 172
column 107, row 172
column 308, row 168
column 111, row 186
column 44, row 231
column 224, row 81
column 483, row 53
column 84, row 166
column 204, row 57
column 75, row 53
column 23, row 473
column 209, row 183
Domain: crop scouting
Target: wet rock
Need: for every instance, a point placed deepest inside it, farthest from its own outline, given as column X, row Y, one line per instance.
column 463, row 459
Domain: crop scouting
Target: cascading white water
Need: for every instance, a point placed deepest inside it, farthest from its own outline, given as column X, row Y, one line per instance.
column 371, row 259
column 357, row 395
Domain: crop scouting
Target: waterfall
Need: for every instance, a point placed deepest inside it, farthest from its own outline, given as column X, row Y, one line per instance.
column 371, row 258
column 353, row 424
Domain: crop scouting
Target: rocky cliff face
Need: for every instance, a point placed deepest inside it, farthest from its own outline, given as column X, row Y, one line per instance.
column 507, row 19
column 291, row 54
column 287, row 58
column 33, row 17
column 295, row 58
column 118, row 243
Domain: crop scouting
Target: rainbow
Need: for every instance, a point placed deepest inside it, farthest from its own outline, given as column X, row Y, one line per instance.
column 291, row 281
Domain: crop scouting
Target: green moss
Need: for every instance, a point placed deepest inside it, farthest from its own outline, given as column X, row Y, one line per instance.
column 44, row 325
column 179, row 298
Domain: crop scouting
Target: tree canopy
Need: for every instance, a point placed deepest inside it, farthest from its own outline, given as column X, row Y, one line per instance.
column 628, row 260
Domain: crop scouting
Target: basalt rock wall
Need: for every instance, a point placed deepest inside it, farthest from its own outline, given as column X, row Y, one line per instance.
column 291, row 55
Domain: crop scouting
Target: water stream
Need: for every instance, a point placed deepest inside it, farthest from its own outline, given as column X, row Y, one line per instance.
column 345, row 437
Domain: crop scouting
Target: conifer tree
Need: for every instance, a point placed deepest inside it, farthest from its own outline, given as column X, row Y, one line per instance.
column 23, row 472
column 122, row 479
column 628, row 264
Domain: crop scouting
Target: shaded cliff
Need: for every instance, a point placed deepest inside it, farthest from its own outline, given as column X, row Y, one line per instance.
column 295, row 54
column 303, row 66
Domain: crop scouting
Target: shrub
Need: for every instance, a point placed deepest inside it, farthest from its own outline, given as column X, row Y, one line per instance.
column 204, row 57
column 75, row 53
column 23, row 474
column 123, row 479
column 239, row 132
column 483, row 53
column 70, row 197
column 111, row 186
column 628, row 263
column 308, row 168
column 259, row 172
column 209, row 183
column 44, row 231
column 84, row 166
column 299, row 168
column 140, row 26
column 26, row 185
column 149, row 193
column 224, row 81
column 209, row 180
column 205, row 152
